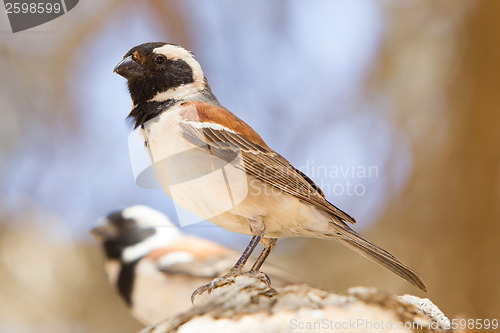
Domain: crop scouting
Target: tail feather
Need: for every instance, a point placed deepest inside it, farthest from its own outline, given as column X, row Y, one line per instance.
column 351, row 239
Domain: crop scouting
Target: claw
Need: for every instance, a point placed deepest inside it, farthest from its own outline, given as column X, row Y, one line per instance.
column 216, row 283
column 206, row 287
column 261, row 276
column 193, row 295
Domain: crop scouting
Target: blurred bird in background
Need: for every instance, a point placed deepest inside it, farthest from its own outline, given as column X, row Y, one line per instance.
column 155, row 267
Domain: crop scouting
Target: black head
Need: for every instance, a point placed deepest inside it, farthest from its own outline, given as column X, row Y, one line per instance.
column 130, row 234
column 118, row 232
column 155, row 68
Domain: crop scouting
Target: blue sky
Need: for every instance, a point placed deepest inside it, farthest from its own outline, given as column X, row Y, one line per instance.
column 296, row 76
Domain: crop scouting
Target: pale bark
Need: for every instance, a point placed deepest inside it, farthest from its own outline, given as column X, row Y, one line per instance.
column 249, row 305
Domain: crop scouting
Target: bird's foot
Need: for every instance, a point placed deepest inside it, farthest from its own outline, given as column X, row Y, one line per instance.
column 216, row 283
column 228, row 279
column 260, row 276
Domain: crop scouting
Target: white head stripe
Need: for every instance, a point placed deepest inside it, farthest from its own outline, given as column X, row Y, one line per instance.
column 165, row 231
column 176, row 52
column 146, row 216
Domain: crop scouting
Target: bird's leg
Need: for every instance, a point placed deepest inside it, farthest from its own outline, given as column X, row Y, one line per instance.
column 236, row 270
column 244, row 257
column 269, row 245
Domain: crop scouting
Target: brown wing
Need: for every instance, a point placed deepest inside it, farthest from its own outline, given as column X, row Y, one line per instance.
column 233, row 136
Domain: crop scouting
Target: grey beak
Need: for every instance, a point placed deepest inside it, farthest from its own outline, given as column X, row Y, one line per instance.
column 104, row 230
column 129, row 68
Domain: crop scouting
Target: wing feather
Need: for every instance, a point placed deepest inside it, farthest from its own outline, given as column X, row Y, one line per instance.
column 261, row 163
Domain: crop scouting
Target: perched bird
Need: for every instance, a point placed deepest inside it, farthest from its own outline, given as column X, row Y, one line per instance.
column 155, row 267
column 215, row 165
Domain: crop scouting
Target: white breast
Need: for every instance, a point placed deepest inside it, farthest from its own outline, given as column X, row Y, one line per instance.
column 196, row 180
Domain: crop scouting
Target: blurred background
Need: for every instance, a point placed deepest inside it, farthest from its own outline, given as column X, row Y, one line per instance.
column 392, row 107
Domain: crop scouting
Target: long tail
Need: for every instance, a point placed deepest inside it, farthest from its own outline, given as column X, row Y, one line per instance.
column 353, row 240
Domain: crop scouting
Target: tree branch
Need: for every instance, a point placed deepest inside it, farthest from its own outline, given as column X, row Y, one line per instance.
column 247, row 304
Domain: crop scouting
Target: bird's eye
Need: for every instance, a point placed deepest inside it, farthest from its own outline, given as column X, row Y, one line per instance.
column 159, row 60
